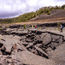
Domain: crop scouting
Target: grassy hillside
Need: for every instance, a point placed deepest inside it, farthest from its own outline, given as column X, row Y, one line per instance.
column 28, row 16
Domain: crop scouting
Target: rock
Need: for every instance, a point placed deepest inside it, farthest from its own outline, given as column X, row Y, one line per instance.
column 9, row 42
column 0, row 53
column 29, row 47
column 58, row 55
column 46, row 38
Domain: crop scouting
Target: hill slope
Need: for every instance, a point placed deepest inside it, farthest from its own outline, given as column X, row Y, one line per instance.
column 58, row 13
column 41, row 14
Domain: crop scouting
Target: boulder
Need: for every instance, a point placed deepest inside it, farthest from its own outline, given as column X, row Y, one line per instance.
column 46, row 38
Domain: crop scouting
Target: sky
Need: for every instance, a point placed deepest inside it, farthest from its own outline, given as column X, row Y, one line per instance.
column 13, row 8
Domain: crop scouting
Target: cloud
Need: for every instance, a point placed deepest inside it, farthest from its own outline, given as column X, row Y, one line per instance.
column 16, row 7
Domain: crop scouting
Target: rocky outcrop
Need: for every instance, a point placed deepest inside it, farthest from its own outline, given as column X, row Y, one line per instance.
column 40, row 43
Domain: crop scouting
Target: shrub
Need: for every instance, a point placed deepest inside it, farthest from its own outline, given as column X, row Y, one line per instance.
column 63, row 7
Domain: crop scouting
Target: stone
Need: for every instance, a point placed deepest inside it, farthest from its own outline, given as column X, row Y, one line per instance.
column 26, row 47
column 55, row 37
column 46, row 38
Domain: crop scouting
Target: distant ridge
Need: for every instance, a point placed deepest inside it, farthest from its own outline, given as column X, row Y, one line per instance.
column 58, row 13
column 41, row 14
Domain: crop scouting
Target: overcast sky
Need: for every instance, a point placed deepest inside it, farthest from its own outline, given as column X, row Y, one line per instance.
column 11, row 8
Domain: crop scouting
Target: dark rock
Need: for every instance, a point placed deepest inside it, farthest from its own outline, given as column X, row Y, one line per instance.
column 1, row 44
